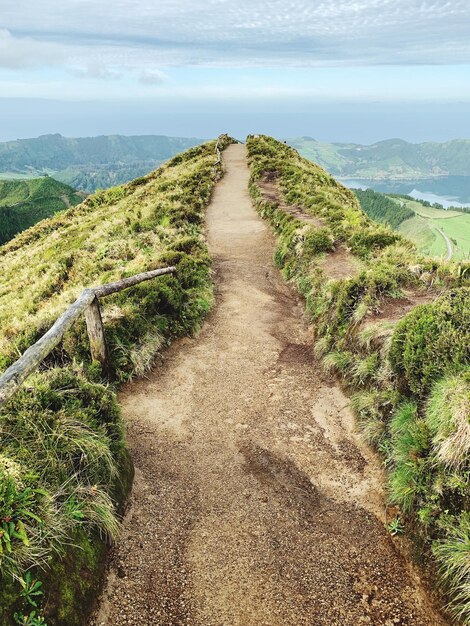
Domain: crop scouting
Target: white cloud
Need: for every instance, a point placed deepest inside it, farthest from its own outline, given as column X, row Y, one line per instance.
column 96, row 71
column 25, row 52
column 152, row 77
column 241, row 32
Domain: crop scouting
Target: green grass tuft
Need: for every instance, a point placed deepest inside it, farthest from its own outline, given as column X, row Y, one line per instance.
column 448, row 418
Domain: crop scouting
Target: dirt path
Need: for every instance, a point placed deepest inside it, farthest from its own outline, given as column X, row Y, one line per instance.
column 448, row 243
column 254, row 503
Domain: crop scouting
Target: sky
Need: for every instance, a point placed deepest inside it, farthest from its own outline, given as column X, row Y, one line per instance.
column 337, row 70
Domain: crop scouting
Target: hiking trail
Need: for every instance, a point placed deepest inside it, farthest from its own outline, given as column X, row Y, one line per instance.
column 255, row 502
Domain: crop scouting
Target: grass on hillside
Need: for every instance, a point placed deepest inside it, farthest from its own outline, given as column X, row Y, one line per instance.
column 426, row 239
column 23, row 203
column 63, row 463
column 410, row 380
column 430, row 212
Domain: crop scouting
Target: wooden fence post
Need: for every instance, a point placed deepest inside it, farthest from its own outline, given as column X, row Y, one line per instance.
column 87, row 303
column 94, row 324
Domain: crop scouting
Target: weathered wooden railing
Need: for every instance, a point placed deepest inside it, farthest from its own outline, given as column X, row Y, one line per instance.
column 218, row 153
column 87, row 303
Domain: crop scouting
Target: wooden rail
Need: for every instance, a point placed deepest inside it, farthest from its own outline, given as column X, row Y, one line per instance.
column 218, row 153
column 87, row 303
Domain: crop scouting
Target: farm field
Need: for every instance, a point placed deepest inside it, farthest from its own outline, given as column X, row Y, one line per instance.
column 424, row 230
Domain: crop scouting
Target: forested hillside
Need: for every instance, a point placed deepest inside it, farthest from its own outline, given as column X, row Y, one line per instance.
column 395, row 327
column 393, row 158
column 23, row 203
column 90, row 163
column 64, row 469
column 382, row 209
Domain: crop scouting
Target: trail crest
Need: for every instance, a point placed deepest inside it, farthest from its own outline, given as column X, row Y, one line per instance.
column 255, row 502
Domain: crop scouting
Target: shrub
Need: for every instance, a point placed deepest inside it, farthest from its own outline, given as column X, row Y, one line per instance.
column 371, row 239
column 317, row 240
column 432, row 339
column 62, row 444
column 410, row 444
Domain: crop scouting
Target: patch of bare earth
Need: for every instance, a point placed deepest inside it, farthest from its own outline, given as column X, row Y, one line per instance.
column 271, row 194
column 64, row 197
column 393, row 309
column 255, row 502
column 338, row 264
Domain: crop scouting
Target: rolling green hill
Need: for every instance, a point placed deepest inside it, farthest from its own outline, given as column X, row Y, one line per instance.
column 435, row 232
column 23, row 203
column 393, row 158
column 89, row 163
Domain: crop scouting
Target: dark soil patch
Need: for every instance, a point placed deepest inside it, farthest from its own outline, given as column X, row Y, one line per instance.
column 296, row 353
column 393, row 309
column 340, row 264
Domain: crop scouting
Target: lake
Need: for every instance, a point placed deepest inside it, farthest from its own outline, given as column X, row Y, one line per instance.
column 446, row 190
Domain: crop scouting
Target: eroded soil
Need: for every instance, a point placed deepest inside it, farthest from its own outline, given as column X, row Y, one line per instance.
column 271, row 194
column 255, row 503
column 339, row 263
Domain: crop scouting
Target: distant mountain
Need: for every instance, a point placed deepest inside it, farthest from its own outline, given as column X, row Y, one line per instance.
column 23, row 203
column 392, row 159
column 89, row 163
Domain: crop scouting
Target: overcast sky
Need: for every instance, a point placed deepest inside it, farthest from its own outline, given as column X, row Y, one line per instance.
column 342, row 69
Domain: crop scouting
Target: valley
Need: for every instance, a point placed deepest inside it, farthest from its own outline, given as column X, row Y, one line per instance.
column 391, row 159
column 89, row 163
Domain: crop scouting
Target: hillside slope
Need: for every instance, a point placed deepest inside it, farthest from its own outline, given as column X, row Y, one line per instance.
column 64, row 470
column 383, row 209
column 89, row 163
column 436, row 232
column 393, row 158
column 23, row 203
column 395, row 327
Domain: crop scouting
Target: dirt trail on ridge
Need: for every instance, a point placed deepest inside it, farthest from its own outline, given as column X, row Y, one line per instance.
column 254, row 503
